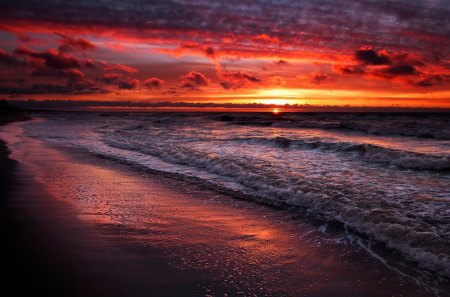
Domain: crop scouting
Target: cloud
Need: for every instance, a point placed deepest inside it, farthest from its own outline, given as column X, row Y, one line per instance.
column 210, row 52
column 277, row 81
column 153, row 83
column 264, row 38
column 25, row 38
column 396, row 66
column 193, row 48
column 52, row 58
column 8, row 59
column 112, row 78
column 23, row 50
column 120, row 80
column 301, row 25
column 69, row 88
column 49, row 63
column 68, row 43
column 432, row 80
column 194, row 80
column 129, row 84
column 407, row 58
column 295, row 31
column 236, row 79
column 120, row 67
column 77, row 86
column 348, row 69
column 370, row 57
column 56, row 65
column 398, row 70
column 319, row 78
column 74, row 74
column 89, row 63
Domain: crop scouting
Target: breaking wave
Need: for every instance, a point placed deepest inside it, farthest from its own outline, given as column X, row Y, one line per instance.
column 435, row 126
column 369, row 152
column 375, row 214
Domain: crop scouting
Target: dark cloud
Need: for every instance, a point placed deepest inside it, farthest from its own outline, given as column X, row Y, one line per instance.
column 370, row 57
column 8, row 59
column 397, row 70
column 349, row 69
column 121, row 81
column 406, row 59
column 35, row 89
column 240, row 75
column 25, row 38
column 236, row 79
column 390, row 66
column 129, row 84
column 68, row 43
column 119, row 67
column 299, row 24
column 112, row 78
column 57, row 65
column 89, row 63
column 153, row 83
column 50, row 63
column 432, row 80
column 193, row 80
column 70, row 88
column 209, row 52
column 319, row 77
column 227, row 85
column 52, row 58
column 74, row 74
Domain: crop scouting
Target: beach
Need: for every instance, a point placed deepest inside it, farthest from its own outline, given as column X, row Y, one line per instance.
column 80, row 225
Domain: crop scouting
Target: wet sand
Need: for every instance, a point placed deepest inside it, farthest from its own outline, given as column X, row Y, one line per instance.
column 98, row 228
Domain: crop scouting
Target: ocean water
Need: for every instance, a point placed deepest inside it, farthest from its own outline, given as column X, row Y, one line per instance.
column 382, row 176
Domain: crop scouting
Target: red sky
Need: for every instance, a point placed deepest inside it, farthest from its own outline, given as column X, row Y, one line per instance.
column 371, row 53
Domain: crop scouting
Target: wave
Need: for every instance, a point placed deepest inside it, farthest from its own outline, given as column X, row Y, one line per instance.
column 435, row 126
column 372, row 213
column 368, row 152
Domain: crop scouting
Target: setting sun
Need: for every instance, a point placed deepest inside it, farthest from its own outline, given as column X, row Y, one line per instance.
column 276, row 111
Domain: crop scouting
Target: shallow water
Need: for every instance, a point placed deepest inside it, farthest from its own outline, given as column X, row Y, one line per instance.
column 386, row 177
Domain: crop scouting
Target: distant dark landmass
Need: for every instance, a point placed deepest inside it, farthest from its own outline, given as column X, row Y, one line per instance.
column 9, row 113
column 200, row 106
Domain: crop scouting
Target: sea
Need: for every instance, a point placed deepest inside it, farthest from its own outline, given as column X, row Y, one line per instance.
column 382, row 176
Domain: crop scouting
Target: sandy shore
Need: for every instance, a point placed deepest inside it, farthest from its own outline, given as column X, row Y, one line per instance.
column 77, row 225
column 25, row 271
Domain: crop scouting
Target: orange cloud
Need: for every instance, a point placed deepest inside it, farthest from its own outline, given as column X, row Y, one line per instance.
column 194, row 80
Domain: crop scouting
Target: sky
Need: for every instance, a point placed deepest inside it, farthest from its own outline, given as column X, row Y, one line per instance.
column 339, row 53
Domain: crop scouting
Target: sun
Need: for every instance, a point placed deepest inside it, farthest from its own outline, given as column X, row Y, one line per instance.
column 275, row 111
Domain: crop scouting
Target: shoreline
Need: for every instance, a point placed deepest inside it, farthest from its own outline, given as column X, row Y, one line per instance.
column 125, row 240
column 50, row 251
column 26, row 272
column 31, row 262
